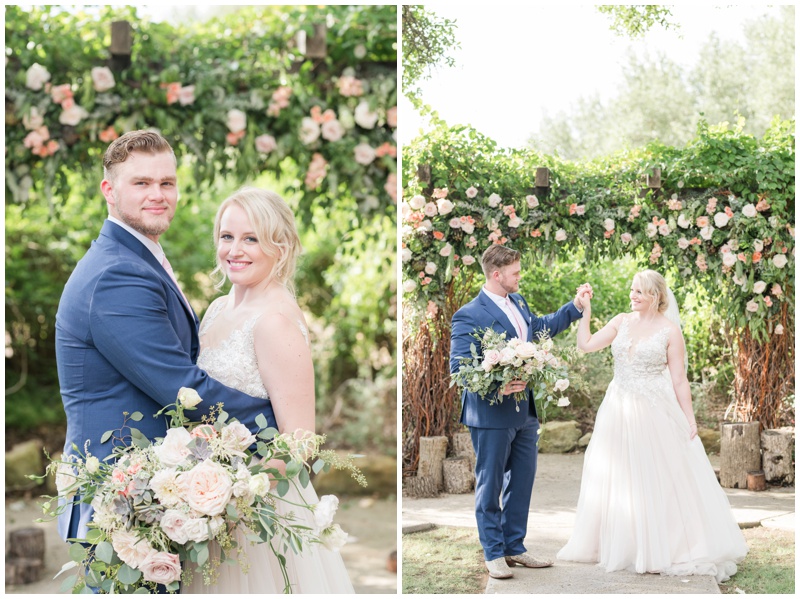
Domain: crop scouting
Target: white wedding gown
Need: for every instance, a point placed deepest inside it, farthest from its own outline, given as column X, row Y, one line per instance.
column 649, row 498
column 232, row 361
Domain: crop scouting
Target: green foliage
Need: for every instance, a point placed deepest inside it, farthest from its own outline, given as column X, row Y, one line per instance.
column 427, row 40
column 723, row 217
column 636, row 19
column 186, row 79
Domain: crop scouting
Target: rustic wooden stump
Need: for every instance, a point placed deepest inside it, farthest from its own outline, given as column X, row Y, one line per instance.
column 740, row 453
column 26, row 542
column 778, row 446
column 419, row 486
column 432, row 451
column 462, row 446
column 756, row 481
column 23, row 570
column 458, row 476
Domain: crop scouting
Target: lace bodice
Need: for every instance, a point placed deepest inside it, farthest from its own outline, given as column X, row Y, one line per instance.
column 233, row 361
column 646, row 360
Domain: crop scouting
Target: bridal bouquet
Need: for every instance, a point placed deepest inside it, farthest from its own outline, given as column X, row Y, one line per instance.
column 501, row 361
column 159, row 505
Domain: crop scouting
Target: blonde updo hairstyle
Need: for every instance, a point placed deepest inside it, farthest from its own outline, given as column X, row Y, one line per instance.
column 274, row 226
column 653, row 285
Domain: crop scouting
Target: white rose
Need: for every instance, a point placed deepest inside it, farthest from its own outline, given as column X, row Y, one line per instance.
column 364, row 153
column 309, row 131
column 721, row 219
column 430, row 268
column 173, row 523
column 446, row 250
column 364, row 116
column 236, row 437
column 525, row 350
column 65, row 477
column 237, row 120
column 608, row 224
column 707, row 232
column 561, row 235
column 332, row 130
column 563, row 402
column 494, row 200
column 103, row 79
column 406, row 255
column 409, row 286
column 334, row 538
column 455, row 223
column 779, row 329
column 749, row 210
column 508, row 355
column 188, row 397
column 683, row 222
column 737, row 280
column 758, row 245
column 36, row 76
column 468, row 228
column 92, row 464
column 752, row 306
column 652, row 229
column 664, row 229
column 197, row 529
column 515, row 221
column 779, row 260
column 417, row 202
column 561, row 384
column 759, row 287
column 130, row 547
column 444, row 206
column 729, row 259
column 74, row 115
column 430, row 209
column 173, row 450
column 165, row 486
column 468, row 260
column 532, row 200
column 208, row 488
column 325, row 510
column 260, row 484
column 33, row 120
column 243, row 490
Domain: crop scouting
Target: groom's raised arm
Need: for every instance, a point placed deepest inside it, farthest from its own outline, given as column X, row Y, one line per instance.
column 130, row 326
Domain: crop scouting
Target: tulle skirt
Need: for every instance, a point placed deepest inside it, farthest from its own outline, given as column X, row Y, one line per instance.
column 315, row 570
column 649, row 498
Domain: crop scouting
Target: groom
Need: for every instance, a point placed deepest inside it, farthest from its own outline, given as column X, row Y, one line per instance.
column 504, row 435
column 126, row 338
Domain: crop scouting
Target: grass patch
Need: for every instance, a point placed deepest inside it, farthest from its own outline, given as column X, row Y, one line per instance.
column 445, row 559
column 769, row 566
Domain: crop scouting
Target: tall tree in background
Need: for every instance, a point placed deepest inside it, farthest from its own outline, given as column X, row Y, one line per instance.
column 427, row 39
column 660, row 100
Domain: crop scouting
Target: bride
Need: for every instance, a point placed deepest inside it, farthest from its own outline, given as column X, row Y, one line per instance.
column 649, row 498
column 255, row 340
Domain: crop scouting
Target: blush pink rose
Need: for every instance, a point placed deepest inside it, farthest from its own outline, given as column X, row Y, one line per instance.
column 236, row 120
column 59, row 93
column 430, row 209
column 237, row 437
column 173, row 523
column 471, row 192
column 130, row 547
column 626, row 238
column 103, row 79
column 186, row 95
column 332, row 130
column 391, row 117
column 391, row 186
column 72, row 116
column 468, row 260
column 36, row 76
column 161, row 567
column 265, row 143
column 208, row 488
column 364, row 153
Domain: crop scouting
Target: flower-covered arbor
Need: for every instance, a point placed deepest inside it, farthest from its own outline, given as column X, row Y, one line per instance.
column 719, row 211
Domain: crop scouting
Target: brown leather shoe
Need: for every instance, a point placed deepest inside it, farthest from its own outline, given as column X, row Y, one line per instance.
column 527, row 560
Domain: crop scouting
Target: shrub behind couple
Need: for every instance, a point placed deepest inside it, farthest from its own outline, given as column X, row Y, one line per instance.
column 127, row 339
column 649, row 498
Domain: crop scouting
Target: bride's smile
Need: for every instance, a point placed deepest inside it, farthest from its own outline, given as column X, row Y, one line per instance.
column 240, row 251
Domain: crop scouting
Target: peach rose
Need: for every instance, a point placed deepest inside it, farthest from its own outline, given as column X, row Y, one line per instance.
column 702, row 221
column 130, row 547
column 208, row 488
column 391, row 116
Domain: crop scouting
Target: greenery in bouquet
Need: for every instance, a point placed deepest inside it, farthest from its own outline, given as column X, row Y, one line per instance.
column 159, row 505
column 499, row 361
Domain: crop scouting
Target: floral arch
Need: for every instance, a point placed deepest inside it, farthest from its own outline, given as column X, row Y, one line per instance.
column 720, row 210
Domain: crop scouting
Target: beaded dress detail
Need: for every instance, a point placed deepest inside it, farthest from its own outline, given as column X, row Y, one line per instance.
column 649, row 498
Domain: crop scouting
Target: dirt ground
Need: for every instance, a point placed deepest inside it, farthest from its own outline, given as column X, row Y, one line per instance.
column 371, row 524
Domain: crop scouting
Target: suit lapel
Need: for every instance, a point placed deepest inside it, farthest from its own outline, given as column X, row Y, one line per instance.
column 496, row 313
column 520, row 303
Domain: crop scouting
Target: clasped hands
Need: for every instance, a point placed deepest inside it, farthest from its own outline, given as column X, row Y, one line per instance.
column 583, row 296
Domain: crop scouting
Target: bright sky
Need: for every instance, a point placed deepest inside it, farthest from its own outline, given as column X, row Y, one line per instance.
column 520, row 62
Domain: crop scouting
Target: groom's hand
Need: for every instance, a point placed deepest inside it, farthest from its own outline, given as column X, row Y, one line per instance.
column 582, row 295
column 514, row 387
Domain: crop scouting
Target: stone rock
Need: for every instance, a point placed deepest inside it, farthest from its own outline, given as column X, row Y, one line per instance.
column 559, row 437
column 379, row 470
column 710, row 439
column 24, row 459
column 584, row 441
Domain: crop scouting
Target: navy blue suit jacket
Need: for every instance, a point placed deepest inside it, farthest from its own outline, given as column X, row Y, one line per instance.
column 127, row 342
column 483, row 313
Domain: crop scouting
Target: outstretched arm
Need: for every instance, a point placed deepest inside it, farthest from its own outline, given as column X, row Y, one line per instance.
column 676, row 350
column 603, row 338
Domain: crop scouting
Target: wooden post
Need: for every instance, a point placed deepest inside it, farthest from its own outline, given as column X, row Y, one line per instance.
column 23, row 570
column 654, row 181
column 432, row 451
column 315, row 46
column 740, row 453
column 26, row 542
column 462, row 446
column 458, row 477
column 419, row 486
column 424, row 173
column 542, row 182
column 777, row 446
column 756, row 481
column 121, row 43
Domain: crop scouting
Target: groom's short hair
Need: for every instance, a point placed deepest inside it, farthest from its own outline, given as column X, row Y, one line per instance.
column 144, row 140
column 496, row 257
